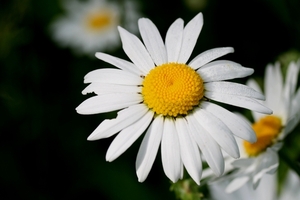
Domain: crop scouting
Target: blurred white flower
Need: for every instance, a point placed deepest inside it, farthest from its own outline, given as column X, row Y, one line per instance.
column 267, row 189
column 90, row 26
column 261, row 157
column 160, row 92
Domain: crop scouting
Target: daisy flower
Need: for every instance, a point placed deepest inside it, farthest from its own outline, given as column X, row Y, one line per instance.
column 91, row 26
column 267, row 189
column 169, row 98
column 261, row 157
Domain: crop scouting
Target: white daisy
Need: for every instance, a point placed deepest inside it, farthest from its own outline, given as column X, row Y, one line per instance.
column 267, row 189
column 161, row 93
column 91, row 26
column 261, row 157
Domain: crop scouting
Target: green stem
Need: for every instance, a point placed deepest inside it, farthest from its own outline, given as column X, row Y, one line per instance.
column 288, row 160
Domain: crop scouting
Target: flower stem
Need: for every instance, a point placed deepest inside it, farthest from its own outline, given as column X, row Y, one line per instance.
column 288, row 160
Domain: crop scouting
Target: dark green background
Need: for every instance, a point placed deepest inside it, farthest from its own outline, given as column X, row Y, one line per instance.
column 43, row 148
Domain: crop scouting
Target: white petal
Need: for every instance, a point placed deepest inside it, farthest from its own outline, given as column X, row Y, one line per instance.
column 268, row 183
column 208, row 146
column 290, row 186
column 190, row 35
column 125, row 118
column 217, row 192
column 233, row 89
column 267, row 164
column 290, row 85
column 277, row 146
column 292, row 77
column 120, row 63
column 273, row 88
column 293, row 121
column 236, row 183
column 218, row 130
column 148, row 149
column 295, row 107
column 238, row 126
column 128, row 136
column 170, row 151
column 239, row 101
column 114, row 76
column 108, row 103
column 206, row 173
column 223, row 70
column 208, row 56
column 240, row 142
column 103, row 88
column 243, row 162
column 174, row 40
column 190, row 154
column 153, row 41
column 253, row 84
column 136, row 51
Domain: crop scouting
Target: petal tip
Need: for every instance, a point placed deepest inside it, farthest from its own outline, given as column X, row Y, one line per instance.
column 92, row 137
column 78, row 110
column 236, row 155
column 197, row 182
column 252, row 139
column 268, row 111
column 97, row 54
column 251, row 71
column 110, row 155
column 140, row 177
column 120, row 29
column 199, row 15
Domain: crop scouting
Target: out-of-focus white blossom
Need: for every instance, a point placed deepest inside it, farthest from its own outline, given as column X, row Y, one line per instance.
column 90, row 26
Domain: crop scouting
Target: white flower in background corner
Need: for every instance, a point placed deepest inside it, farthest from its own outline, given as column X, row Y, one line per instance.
column 160, row 92
column 261, row 157
column 91, row 26
column 267, row 189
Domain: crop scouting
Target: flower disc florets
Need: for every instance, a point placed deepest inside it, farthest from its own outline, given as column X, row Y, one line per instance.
column 267, row 130
column 99, row 20
column 172, row 89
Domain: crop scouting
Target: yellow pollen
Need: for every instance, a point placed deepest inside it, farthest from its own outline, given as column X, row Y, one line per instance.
column 172, row 89
column 267, row 130
column 97, row 21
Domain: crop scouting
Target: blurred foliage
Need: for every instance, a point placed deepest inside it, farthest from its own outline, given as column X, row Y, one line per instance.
column 43, row 146
column 186, row 189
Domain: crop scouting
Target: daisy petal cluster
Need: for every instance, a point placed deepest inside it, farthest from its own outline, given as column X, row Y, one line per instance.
column 91, row 26
column 261, row 157
column 160, row 92
column 267, row 189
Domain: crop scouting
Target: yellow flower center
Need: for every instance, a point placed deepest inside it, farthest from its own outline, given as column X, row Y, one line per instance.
column 97, row 21
column 172, row 89
column 267, row 130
